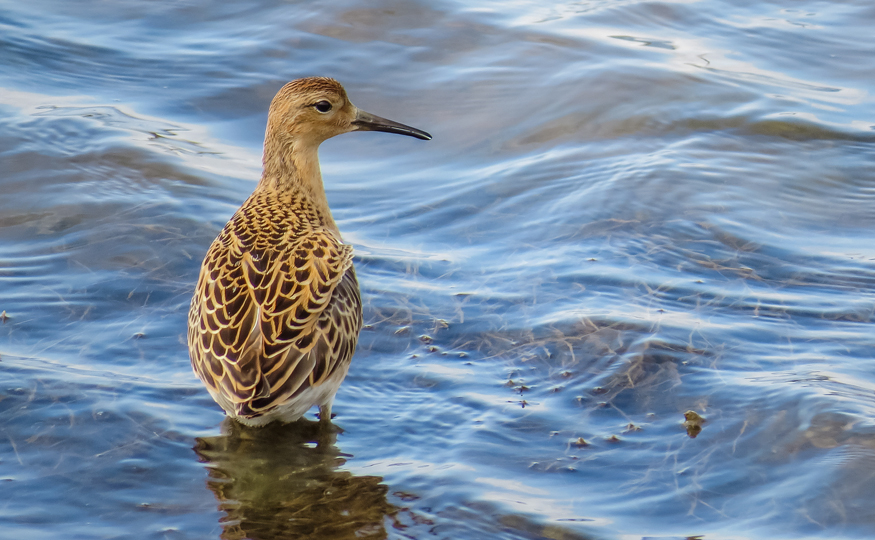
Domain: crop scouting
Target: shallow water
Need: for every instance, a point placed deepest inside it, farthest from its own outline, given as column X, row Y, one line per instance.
column 629, row 210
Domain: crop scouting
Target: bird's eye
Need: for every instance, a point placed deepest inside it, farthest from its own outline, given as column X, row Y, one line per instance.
column 323, row 106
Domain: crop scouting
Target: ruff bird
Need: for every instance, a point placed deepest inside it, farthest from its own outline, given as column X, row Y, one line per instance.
column 276, row 313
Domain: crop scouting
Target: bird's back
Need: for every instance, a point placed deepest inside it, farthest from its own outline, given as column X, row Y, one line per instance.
column 276, row 313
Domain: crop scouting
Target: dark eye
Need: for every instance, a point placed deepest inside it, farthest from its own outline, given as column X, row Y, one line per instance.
column 323, row 106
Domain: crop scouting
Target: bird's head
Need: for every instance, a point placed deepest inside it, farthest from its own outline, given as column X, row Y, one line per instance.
column 314, row 109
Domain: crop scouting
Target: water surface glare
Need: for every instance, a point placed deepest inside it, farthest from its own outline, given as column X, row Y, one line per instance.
column 630, row 210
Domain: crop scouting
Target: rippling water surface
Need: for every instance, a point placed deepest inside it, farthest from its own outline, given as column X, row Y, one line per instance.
column 630, row 210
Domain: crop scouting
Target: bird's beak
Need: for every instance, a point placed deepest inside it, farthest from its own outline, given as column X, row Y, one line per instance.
column 368, row 122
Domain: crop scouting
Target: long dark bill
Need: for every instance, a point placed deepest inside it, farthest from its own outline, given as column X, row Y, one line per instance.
column 369, row 122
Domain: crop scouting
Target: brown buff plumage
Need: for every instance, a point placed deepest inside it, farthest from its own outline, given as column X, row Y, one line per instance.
column 276, row 313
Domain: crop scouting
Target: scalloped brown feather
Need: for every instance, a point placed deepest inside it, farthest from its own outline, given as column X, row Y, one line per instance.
column 267, row 320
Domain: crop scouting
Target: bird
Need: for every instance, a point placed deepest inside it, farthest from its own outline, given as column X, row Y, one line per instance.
column 276, row 312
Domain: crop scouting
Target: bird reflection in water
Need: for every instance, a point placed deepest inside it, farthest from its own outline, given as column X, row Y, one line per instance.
column 284, row 481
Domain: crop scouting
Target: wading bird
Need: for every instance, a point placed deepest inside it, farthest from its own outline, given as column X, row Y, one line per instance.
column 276, row 313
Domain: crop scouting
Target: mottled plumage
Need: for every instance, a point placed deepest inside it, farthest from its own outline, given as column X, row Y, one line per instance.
column 276, row 313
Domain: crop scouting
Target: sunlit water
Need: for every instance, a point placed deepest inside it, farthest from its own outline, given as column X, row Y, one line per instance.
column 629, row 210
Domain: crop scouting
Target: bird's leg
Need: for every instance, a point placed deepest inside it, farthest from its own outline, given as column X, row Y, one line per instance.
column 325, row 415
column 325, row 425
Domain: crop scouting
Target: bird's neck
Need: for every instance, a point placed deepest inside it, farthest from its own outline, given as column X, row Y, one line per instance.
column 292, row 166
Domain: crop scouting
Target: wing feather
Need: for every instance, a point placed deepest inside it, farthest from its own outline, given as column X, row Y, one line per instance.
column 268, row 318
